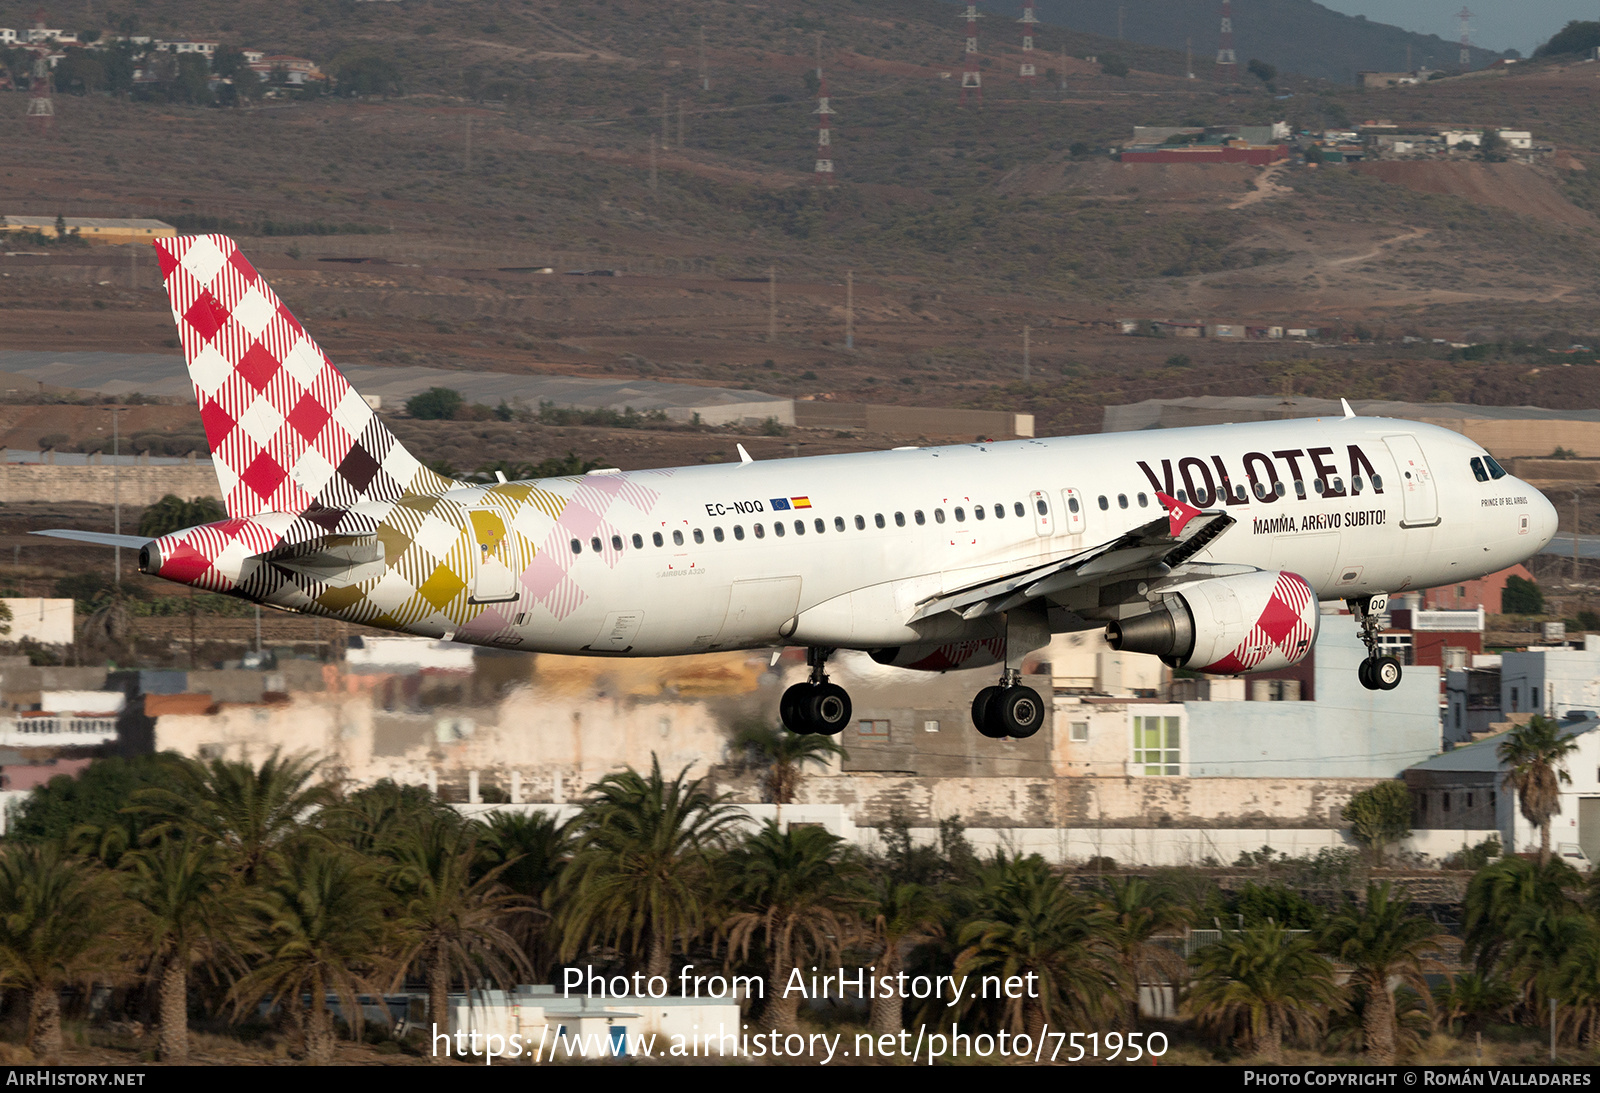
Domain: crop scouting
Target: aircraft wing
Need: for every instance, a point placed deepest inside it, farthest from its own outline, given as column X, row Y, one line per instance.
column 98, row 538
column 1169, row 541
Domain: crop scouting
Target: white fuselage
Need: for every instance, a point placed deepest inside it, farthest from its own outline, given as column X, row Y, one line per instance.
column 867, row 537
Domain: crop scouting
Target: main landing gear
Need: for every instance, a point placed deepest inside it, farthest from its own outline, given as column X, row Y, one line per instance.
column 815, row 706
column 1376, row 673
column 1009, row 709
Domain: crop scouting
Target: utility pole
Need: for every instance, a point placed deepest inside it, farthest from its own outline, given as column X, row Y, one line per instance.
column 116, row 490
column 665, row 118
column 1576, row 495
column 680, row 125
column 1026, row 362
column 468, row 161
column 652, row 163
column 849, row 309
column 705, row 78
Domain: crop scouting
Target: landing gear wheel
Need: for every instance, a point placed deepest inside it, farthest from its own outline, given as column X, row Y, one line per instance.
column 792, row 708
column 1386, row 673
column 981, row 718
column 829, row 708
column 1018, row 711
column 1364, row 674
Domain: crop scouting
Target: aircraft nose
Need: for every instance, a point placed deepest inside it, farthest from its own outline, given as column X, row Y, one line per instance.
column 1545, row 520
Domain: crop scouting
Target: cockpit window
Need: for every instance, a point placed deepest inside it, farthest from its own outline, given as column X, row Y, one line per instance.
column 1495, row 469
column 1478, row 470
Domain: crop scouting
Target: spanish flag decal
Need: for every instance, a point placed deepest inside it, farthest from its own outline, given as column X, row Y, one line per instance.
column 801, row 502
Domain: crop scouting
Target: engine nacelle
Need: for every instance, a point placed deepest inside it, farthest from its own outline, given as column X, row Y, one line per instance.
column 1252, row 622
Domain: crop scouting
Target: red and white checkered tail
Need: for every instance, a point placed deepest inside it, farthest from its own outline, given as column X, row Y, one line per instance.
column 287, row 432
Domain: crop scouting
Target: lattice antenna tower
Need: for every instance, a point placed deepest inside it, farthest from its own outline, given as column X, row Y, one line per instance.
column 823, row 175
column 1225, row 37
column 41, row 105
column 971, row 78
column 1028, row 22
column 1466, row 37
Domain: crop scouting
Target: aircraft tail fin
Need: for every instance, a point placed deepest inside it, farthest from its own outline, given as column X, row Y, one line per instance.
column 287, row 432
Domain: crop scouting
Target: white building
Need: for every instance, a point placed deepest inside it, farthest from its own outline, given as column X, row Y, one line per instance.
column 1553, row 681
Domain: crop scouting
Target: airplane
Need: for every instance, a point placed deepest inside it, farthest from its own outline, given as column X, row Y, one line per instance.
column 1208, row 547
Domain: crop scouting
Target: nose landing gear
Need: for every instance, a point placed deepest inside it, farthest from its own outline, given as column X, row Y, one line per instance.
column 1377, row 672
column 815, row 706
column 1009, row 709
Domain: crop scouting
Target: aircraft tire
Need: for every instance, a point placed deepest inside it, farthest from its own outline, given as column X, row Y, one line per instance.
column 828, row 708
column 1364, row 674
column 792, row 708
column 1019, row 711
column 982, row 716
column 1386, row 673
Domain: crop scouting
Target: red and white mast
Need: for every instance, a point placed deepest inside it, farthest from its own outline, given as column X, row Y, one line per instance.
column 1225, row 38
column 971, row 78
column 1027, row 21
column 824, row 170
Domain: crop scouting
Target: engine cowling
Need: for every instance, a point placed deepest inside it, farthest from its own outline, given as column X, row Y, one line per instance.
column 1250, row 622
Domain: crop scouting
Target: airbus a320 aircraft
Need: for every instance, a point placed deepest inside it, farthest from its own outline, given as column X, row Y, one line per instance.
column 1207, row 547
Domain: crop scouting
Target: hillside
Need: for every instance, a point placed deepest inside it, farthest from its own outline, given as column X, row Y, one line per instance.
column 960, row 225
column 1296, row 36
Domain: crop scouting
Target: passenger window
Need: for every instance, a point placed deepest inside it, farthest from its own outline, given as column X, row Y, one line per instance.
column 961, row 515
column 1377, row 482
column 638, row 541
column 1238, row 493
column 577, row 547
column 1072, row 504
column 1478, row 470
column 595, row 543
column 1144, row 501
column 760, row 531
column 777, row 528
column 820, row 525
column 656, row 538
column 899, row 519
column 978, row 513
column 838, row 523
column 1019, row 509
column 1105, row 505
column 799, row 527
column 738, row 532
column 1299, row 489
column 1280, row 489
column 919, row 518
column 861, row 523
column 616, row 542
column 716, row 533
column 938, row 516
column 1122, row 500
column 1316, row 486
column 1044, row 509
column 877, row 518
column 999, row 512
column 1355, row 484
column 1183, row 495
column 699, row 536
column 677, row 538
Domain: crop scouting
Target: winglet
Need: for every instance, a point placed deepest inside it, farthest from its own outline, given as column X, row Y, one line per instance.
column 1347, row 411
column 1179, row 513
column 744, row 456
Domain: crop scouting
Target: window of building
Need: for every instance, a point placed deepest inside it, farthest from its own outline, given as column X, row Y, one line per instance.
column 1156, row 745
column 1079, row 733
column 1469, row 800
column 930, row 726
column 1445, row 802
column 878, row 729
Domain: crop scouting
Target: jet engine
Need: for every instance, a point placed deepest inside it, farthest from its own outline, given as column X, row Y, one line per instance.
column 1250, row 622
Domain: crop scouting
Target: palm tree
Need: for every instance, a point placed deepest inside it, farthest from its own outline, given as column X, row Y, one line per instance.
column 791, row 886
column 1534, row 756
column 249, row 810
column 450, row 922
column 1380, row 942
column 1134, row 912
column 899, row 916
column 1577, row 985
column 1541, row 941
column 533, row 848
column 373, row 819
column 782, row 757
column 1500, row 891
column 1263, row 983
column 640, row 875
column 54, row 914
column 1470, row 998
column 1029, row 923
column 181, row 887
column 320, row 926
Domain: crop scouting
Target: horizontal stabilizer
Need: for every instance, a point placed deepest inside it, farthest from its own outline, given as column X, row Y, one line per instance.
column 98, row 538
